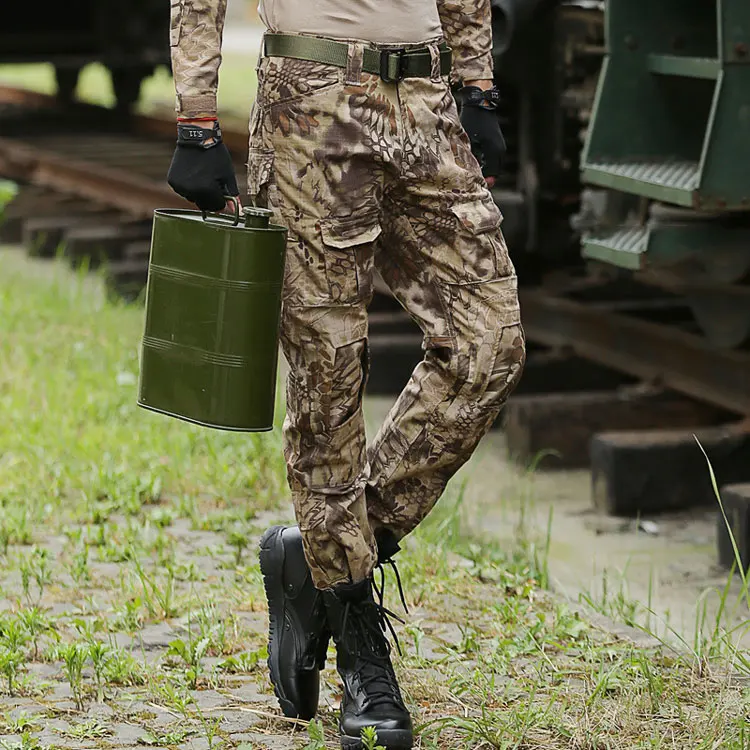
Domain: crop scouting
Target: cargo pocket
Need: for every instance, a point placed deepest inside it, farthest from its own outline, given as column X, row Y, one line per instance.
column 349, row 253
column 479, row 314
column 482, row 253
column 175, row 28
column 260, row 177
column 352, row 367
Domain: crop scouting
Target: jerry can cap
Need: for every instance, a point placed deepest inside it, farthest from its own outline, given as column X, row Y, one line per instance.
column 257, row 211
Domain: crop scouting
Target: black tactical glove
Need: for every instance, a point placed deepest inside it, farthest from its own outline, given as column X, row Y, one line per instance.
column 201, row 168
column 479, row 119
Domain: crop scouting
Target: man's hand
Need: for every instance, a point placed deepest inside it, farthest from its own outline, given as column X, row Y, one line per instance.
column 201, row 169
column 479, row 119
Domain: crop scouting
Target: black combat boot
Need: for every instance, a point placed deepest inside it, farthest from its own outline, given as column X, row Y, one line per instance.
column 298, row 632
column 371, row 693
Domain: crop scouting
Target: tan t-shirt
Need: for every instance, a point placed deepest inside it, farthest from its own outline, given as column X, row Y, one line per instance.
column 376, row 21
column 197, row 27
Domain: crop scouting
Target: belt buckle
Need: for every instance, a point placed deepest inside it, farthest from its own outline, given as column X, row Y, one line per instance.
column 386, row 58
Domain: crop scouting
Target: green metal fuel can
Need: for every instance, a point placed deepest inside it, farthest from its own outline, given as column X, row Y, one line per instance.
column 213, row 303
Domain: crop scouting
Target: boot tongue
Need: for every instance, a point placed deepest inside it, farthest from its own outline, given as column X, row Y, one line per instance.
column 362, row 643
column 373, row 632
column 354, row 593
column 387, row 543
column 373, row 655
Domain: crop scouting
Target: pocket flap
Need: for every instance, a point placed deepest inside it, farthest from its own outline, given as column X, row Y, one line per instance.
column 478, row 217
column 344, row 233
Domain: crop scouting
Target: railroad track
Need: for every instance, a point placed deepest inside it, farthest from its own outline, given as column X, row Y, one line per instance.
column 90, row 181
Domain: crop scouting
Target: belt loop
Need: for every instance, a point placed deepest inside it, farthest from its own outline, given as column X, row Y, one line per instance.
column 261, row 54
column 354, row 61
column 435, row 74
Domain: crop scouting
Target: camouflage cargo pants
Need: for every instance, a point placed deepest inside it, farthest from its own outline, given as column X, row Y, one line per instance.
column 366, row 174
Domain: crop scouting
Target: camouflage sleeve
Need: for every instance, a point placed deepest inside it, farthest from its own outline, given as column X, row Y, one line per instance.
column 467, row 26
column 195, row 40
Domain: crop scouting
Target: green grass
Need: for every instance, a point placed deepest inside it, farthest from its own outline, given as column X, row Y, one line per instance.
column 129, row 577
column 7, row 191
column 237, row 83
column 86, row 451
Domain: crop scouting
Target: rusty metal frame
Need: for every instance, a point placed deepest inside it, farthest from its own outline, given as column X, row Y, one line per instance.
column 162, row 127
column 117, row 188
column 655, row 353
column 134, row 194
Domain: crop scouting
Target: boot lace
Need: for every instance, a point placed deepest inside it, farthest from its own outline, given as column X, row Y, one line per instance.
column 380, row 590
column 364, row 627
column 371, row 622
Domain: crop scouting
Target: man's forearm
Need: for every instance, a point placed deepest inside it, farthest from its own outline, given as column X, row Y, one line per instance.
column 195, row 39
column 467, row 26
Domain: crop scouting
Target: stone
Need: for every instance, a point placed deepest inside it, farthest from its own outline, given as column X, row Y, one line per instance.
column 126, row 734
column 554, row 430
column 736, row 502
column 237, row 721
column 250, row 692
column 28, row 708
column 159, row 635
column 273, row 742
column 61, row 692
column 210, row 699
column 43, row 670
column 660, row 470
column 196, row 743
column 100, row 711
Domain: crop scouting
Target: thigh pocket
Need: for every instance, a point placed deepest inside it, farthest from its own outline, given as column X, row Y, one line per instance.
column 481, row 251
column 260, row 183
column 348, row 246
column 479, row 314
column 487, row 306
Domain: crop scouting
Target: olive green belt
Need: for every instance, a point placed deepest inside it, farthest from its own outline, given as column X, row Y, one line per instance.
column 392, row 65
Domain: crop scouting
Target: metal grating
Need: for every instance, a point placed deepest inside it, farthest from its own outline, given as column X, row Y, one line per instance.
column 622, row 248
column 680, row 175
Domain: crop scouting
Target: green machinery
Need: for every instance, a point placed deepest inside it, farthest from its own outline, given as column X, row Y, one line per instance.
column 667, row 156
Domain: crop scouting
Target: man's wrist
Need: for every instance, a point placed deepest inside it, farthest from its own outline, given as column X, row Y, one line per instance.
column 473, row 96
column 201, row 122
column 198, row 133
column 483, row 83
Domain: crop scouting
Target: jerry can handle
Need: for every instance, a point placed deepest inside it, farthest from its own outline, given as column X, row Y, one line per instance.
column 235, row 201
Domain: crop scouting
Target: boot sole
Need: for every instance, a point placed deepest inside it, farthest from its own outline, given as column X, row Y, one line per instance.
column 271, row 562
column 390, row 739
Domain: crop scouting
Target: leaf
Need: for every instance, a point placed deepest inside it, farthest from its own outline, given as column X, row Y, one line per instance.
column 200, row 649
column 179, row 648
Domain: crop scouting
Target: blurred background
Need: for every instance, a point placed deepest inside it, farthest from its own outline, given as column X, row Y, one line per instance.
column 626, row 210
column 156, row 92
column 634, row 322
